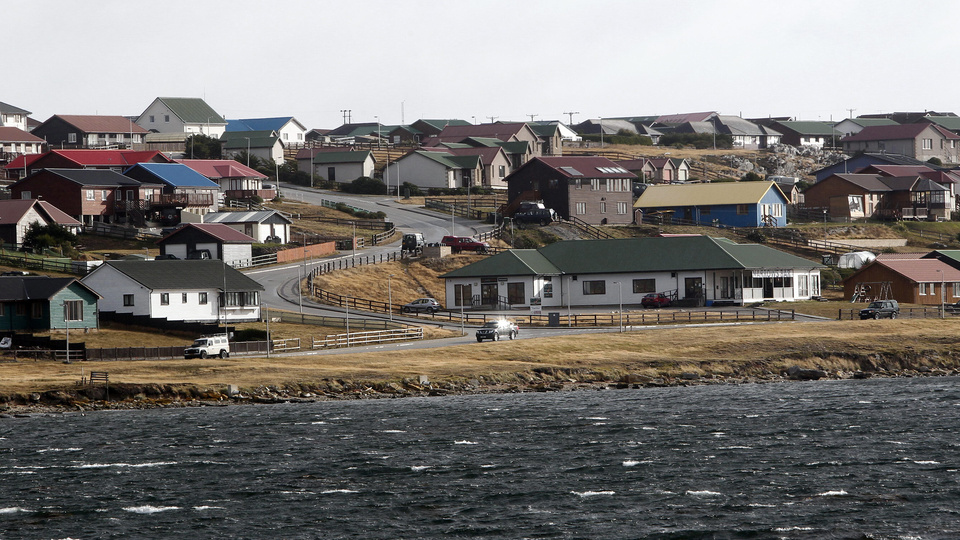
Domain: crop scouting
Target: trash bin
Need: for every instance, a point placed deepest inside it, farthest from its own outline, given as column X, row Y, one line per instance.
column 553, row 319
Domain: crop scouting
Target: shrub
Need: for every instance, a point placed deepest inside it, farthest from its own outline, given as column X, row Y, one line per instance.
column 751, row 177
column 757, row 236
column 366, row 185
column 411, row 190
column 935, row 161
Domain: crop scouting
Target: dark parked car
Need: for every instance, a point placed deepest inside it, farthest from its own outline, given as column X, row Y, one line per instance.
column 655, row 300
column 465, row 243
column 413, row 242
column 492, row 330
column 881, row 309
column 534, row 213
column 428, row 305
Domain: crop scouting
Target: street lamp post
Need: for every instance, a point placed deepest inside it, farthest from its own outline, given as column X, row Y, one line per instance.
column 390, row 297
column 378, row 131
column 824, row 227
column 620, row 296
column 942, row 295
column 267, row 318
column 248, row 150
column 463, row 331
column 346, row 300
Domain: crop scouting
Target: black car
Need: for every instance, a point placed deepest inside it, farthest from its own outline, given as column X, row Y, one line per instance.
column 880, row 309
column 492, row 330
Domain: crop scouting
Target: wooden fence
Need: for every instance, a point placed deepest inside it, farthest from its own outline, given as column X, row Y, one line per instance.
column 905, row 313
column 353, row 262
column 356, row 339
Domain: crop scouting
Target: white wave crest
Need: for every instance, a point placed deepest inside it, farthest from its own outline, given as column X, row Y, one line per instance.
column 585, row 494
column 201, row 508
column 927, row 462
column 703, row 493
column 630, row 463
column 44, row 450
column 147, row 509
column 833, row 493
column 12, row 510
column 464, row 442
column 124, row 465
column 330, row 491
column 393, row 431
column 418, row 468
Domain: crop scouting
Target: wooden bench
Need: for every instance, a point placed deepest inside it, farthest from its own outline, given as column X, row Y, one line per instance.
column 99, row 376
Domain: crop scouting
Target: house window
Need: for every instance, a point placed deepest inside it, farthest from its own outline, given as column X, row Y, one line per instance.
column 21, row 310
column 595, row 184
column 164, row 299
column 923, row 289
column 803, row 289
column 462, row 295
column 71, row 137
column 286, row 136
column 37, row 310
column 581, row 208
column 242, row 298
column 73, row 310
column 705, row 211
column 515, row 293
column 603, row 207
column 956, row 289
column 203, row 299
column 777, row 210
column 166, row 118
column 502, row 171
column 103, row 194
column 743, row 209
column 332, row 174
column 577, row 184
column 90, row 195
column 621, row 208
column 595, row 287
column 183, row 298
column 128, row 300
column 642, row 286
column 928, row 144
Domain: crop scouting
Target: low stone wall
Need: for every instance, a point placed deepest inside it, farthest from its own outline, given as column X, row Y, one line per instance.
column 313, row 250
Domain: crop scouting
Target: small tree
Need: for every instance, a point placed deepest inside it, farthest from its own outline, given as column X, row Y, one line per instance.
column 935, row 161
column 40, row 237
column 751, row 177
column 201, row 146
column 366, row 185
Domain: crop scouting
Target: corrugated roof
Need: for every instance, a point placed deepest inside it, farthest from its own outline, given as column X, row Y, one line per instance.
column 185, row 275
column 248, row 139
column 896, row 132
column 824, row 129
column 92, row 177
column 16, row 288
column 10, row 109
column 922, row 270
column 357, row 156
column 224, row 233
column 13, row 134
column 192, row 110
column 101, row 124
column 669, row 195
column 221, row 168
column 588, row 166
column 633, row 255
column 258, row 124
column 12, row 210
column 242, row 217
column 175, row 174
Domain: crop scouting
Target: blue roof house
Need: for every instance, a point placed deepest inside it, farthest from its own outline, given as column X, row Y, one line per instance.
column 288, row 128
column 734, row 204
column 184, row 190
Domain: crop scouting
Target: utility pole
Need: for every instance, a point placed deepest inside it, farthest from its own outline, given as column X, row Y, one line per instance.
column 571, row 116
column 532, row 116
column 851, row 112
column 492, row 118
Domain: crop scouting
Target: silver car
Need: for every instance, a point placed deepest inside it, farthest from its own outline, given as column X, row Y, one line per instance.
column 428, row 305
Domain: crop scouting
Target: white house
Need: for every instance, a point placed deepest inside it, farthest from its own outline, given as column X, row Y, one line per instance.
column 344, row 166
column 265, row 226
column 215, row 240
column 265, row 145
column 436, row 170
column 190, row 291
column 182, row 115
column 697, row 270
column 288, row 128
column 11, row 116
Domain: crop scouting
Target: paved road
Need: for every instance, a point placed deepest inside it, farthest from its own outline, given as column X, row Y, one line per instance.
column 279, row 282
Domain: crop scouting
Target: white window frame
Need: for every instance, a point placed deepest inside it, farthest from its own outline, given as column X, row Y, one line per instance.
column 621, row 208
column 91, row 196
column 581, row 208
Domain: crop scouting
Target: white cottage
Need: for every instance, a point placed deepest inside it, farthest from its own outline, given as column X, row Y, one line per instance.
column 697, row 270
column 190, row 291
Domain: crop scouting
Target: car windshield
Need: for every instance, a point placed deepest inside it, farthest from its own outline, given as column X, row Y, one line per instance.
column 199, row 343
column 876, row 304
column 491, row 324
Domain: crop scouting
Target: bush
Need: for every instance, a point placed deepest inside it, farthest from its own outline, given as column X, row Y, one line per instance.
column 367, row 186
column 751, row 177
column 757, row 236
column 411, row 190
column 935, row 161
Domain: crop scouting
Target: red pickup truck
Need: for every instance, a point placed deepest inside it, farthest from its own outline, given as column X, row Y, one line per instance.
column 465, row 243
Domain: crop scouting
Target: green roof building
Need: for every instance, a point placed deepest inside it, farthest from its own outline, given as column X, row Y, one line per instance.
column 699, row 270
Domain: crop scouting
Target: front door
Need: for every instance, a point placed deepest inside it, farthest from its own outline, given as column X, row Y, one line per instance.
column 693, row 287
column 489, row 294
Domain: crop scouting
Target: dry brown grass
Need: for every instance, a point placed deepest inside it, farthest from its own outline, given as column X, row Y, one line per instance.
column 411, row 280
column 718, row 350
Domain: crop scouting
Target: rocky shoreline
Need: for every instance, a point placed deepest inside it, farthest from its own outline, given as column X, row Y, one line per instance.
column 150, row 396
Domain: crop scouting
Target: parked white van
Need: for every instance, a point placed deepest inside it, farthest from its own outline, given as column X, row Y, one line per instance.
column 216, row 345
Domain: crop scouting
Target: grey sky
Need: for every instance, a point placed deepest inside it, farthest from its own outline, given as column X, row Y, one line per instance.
column 458, row 59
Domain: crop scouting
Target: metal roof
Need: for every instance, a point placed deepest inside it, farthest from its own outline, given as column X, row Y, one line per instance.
column 175, row 174
column 184, row 275
column 669, row 195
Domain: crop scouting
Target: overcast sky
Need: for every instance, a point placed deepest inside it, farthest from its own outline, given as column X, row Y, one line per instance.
column 404, row 60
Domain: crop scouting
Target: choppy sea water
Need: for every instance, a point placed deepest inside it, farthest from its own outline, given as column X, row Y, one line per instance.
column 843, row 459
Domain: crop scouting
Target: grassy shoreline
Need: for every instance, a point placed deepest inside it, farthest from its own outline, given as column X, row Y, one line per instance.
column 663, row 356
